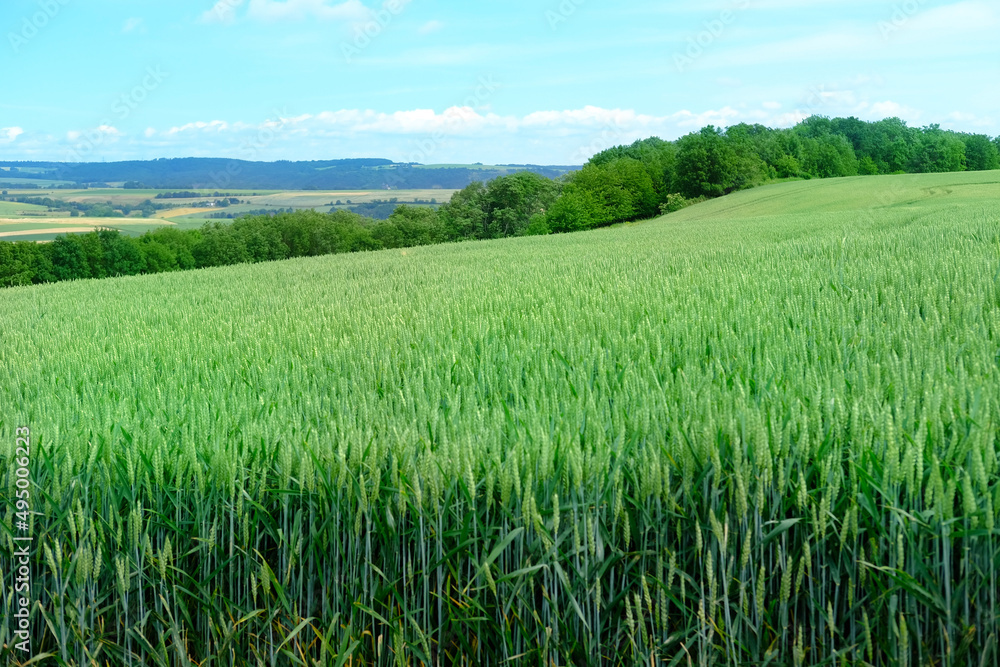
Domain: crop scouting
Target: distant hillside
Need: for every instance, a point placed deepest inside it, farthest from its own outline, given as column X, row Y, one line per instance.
column 215, row 173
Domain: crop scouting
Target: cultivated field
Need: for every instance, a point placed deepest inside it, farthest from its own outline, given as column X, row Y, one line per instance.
column 186, row 213
column 762, row 430
column 46, row 229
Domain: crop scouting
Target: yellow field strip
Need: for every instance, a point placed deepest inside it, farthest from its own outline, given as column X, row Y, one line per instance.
column 178, row 212
column 58, row 230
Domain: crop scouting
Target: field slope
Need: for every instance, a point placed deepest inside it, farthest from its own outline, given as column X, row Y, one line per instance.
column 765, row 428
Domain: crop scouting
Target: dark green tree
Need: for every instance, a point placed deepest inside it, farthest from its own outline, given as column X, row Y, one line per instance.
column 829, row 156
column 463, row 216
column 890, row 144
column 938, row 151
column 69, row 258
column 572, row 212
column 158, row 256
column 93, row 248
column 122, row 254
column 14, row 271
column 706, row 164
column 981, row 154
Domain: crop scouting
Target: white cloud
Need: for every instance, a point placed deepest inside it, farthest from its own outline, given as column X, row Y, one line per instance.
column 465, row 133
column 213, row 126
column 961, row 119
column 889, row 108
column 588, row 116
column 789, row 119
column 273, row 10
column 718, row 117
column 429, row 27
column 99, row 133
column 224, row 11
column 133, row 24
column 468, row 121
column 10, row 134
column 958, row 18
column 351, row 12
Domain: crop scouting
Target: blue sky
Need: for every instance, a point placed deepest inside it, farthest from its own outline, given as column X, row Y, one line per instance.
column 441, row 81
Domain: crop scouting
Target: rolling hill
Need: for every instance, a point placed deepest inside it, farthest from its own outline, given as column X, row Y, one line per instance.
column 766, row 425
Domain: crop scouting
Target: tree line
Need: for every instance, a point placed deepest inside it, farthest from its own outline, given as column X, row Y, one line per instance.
column 107, row 253
column 223, row 174
column 90, row 210
column 621, row 184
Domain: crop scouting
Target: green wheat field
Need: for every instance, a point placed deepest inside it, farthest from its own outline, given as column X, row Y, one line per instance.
column 762, row 430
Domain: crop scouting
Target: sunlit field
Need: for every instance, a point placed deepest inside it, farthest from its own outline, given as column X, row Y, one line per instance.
column 763, row 429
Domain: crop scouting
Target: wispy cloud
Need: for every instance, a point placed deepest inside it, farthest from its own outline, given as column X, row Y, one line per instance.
column 134, row 24
column 224, row 11
column 99, row 133
column 268, row 11
column 966, row 27
column 199, row 126
column 9, row 134
column 889, row 108
column 297, row 10
column 430, row 27
column 465, row 121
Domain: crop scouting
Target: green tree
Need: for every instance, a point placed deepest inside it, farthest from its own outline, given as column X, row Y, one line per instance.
column 706, row 164
column 94, row 251
column 890, row 144
column 938, row 151
column 829, row 156
column 611, row 196
column 122, row 255
column 815, row 127
column 179, row 242
column 463, row 216
column 572, row 212
column 981, row 153
column 750, row 169
column 262, row 239
column 158, row 256
column 102, row 211
column 13, row 270
column 867, row 166
column 410, row 226
column 219, row 246
column 509, row 202
column 856, row 131
column 658, row 158
column 69, row 258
